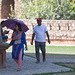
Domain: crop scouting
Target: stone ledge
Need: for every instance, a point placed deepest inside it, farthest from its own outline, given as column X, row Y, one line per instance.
column 4, row 46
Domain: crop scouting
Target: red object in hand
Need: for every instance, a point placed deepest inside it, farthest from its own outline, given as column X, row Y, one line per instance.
column 31, row 43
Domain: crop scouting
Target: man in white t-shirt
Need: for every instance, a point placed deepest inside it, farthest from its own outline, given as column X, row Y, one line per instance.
column 40, row 40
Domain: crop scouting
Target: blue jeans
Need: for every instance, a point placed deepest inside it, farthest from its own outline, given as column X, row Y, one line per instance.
column 40, row 45
column 4, row 37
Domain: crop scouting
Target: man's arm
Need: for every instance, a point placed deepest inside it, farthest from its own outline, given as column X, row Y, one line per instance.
column 48, row 37
column 33, row 35
column 5, row 32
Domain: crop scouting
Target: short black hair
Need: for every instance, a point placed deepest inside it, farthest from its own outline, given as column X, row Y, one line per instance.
column 19, row 25
column 2, row 22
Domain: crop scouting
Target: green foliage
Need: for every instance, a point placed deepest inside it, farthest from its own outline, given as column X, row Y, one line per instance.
column 68, row 50
column 72, row 10
column 47, row 9
column 12, row 14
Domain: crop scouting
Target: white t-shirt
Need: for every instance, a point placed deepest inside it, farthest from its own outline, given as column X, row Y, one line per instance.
column 40, row 33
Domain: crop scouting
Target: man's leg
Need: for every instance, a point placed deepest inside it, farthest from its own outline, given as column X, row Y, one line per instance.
column 4, row 37
column 37, row 51
column 43, row 50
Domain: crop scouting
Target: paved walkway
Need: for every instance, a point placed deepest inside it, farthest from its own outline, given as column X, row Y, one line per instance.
column 30, row 67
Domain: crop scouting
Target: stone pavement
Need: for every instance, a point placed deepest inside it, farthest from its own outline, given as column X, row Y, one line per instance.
column 29, row 66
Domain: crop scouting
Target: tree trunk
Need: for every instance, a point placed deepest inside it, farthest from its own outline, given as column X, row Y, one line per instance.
column 6, row 9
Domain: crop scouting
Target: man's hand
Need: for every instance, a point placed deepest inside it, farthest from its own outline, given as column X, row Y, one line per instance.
column 31, row 42
column 48, row 41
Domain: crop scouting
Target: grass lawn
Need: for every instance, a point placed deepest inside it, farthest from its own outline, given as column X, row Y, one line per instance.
column 52, row 49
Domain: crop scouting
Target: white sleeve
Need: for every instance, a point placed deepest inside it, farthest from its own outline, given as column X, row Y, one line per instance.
column 46, row 28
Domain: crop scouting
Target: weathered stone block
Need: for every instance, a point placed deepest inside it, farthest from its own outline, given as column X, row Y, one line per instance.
column 2, row 58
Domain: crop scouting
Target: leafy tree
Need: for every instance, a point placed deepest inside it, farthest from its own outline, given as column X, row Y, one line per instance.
column 72, row 10
column 47, row 9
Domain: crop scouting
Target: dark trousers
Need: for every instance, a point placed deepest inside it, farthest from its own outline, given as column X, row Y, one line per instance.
column 40, row 45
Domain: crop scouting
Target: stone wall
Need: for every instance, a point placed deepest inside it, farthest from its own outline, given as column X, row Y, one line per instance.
column 62, row 32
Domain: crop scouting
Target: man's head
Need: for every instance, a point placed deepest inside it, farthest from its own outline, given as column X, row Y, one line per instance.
column 39, row 20
column 2, row 23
